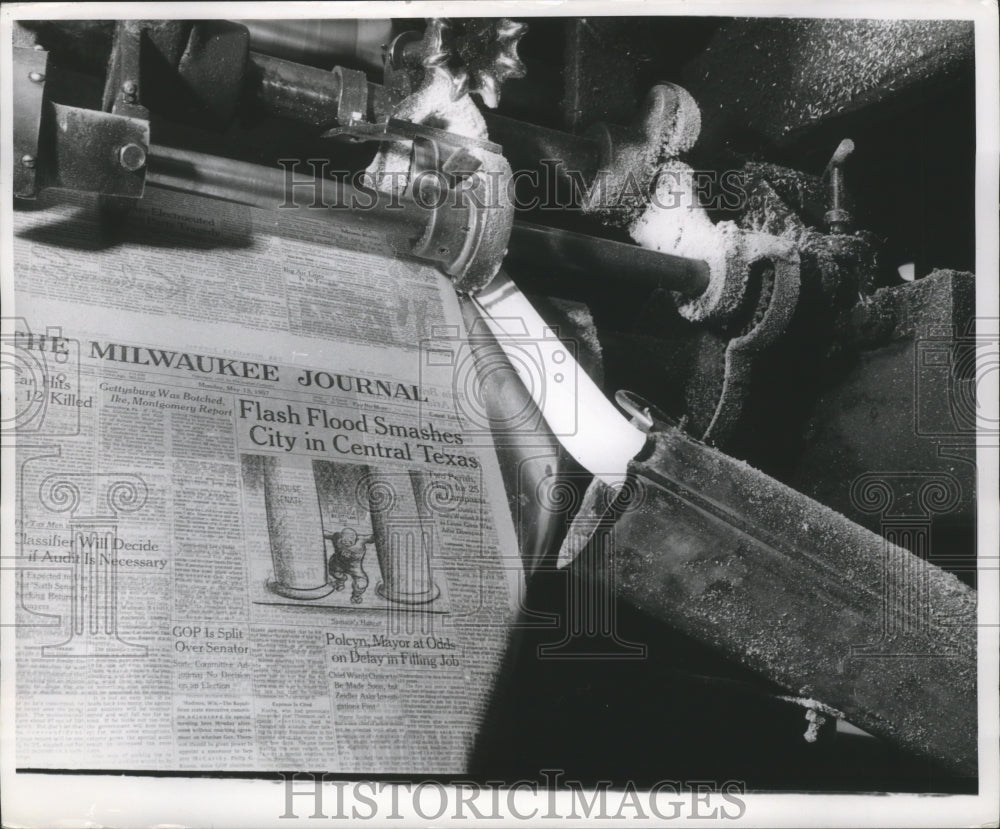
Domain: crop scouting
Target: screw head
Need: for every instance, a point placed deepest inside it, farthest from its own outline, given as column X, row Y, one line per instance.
column 27, row 161
column 37, row 77
column 132, row 157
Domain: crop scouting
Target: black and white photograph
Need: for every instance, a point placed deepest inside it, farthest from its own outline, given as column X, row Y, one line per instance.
column 531, row 413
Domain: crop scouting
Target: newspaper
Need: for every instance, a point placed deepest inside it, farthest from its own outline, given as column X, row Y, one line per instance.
column 257, row 527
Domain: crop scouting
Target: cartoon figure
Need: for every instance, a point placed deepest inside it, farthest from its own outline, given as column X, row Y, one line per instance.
column 348, row 560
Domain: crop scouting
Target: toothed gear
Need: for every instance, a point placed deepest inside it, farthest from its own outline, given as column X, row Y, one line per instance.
column 479, row 54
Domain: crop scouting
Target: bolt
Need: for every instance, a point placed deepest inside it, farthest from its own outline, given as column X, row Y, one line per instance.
column 28, row 161
column 837, row 218
column 129, row 89
column 132, row 157
column 37, row 77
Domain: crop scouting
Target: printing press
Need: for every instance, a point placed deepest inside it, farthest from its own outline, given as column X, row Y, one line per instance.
column 755, row 239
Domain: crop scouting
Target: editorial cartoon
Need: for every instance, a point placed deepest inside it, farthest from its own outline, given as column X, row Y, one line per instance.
column 334, row 529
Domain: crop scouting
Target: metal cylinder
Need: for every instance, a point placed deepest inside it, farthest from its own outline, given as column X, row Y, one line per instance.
column 526, row 146
column 322, row 43
column 293, row 90
column 408, row 226
column 310, row 95
column 301, row 93
column 397, row 217
column 569, row 262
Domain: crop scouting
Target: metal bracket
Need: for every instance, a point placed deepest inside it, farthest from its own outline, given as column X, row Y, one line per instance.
column 470, row 214
column 352, row 102
column 29, row 68
column 95, row 152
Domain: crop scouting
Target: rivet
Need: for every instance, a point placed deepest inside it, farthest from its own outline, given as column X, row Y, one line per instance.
column 37, row 77
column 132, row 157
column 28, row 160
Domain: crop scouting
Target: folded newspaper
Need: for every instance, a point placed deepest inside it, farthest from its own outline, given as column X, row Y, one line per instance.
column 259, row 524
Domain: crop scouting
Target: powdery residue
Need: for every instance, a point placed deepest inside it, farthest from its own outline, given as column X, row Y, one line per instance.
column 807, row 585
column 672, row 224
column 776, row 76
column 635, row 158
column 432, row 104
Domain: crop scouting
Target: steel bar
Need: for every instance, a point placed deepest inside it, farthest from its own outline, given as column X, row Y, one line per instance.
column 403, row 221
column 200, row 174
column 285, row 89
column 322, row 43
column 537, row 247
column 841, row 617
column 527, row 145
column 294, row 90
column 309, row 95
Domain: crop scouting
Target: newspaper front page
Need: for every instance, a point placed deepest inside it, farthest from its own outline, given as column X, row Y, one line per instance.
column 258, row 525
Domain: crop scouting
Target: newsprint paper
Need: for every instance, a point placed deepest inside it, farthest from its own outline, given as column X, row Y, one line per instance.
column 248, row 494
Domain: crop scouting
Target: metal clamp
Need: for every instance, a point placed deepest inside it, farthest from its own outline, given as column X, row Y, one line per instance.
column 71, row 148
column 466, row 196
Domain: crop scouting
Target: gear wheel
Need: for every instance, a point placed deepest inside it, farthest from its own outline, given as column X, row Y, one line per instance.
column 479, row 54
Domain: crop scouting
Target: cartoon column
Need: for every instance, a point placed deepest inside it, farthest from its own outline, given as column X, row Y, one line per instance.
column 403, row 537
column 295, row 529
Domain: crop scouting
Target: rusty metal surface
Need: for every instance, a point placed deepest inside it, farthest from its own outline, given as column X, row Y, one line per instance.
column 268, row 188
column 84, row 151
column 600, row 63
column 665, row 127
column 566, row 264
column 212, row 69
column 897, row 398
column 138, row 46
column 772, row 294
column 294, row 91
column 802, row 596
column 322, row 43
column 777, row 77
column 29, row 69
